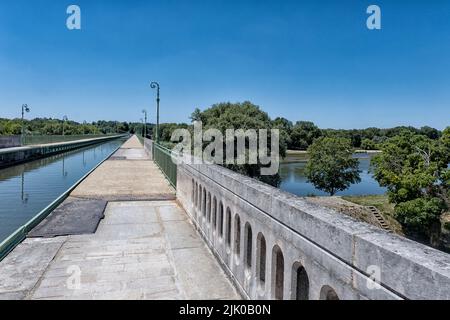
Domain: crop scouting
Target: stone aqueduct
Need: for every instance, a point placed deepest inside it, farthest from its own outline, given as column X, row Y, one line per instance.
column 275, row 245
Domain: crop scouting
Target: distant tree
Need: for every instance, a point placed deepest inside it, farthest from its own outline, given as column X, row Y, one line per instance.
column 285, row 126
column 431, row 133
column 368, row 144
column 331, row 166
column 355, row 138
column 414, row 168
column 196, row 115
column 166, row 130
column 303, row 135
column 123, row 127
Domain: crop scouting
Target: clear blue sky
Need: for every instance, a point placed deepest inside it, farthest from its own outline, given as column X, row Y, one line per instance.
column 303, row 60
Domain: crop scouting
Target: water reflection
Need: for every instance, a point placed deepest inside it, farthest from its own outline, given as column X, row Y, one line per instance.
column 24, row 195
column 294, row 180
column 27, row 189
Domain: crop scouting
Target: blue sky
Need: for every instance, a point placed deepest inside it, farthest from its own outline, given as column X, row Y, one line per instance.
column 303, row 60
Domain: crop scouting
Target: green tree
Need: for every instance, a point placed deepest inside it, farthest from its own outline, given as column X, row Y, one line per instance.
column 196, row 115
column 431, row 133
column 368, row 144
column 414, row 168
column 303, row 135
column 285, row 126
column 331, row 166
column 244, row 116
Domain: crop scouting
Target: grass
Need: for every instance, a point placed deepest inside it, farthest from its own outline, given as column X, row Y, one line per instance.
column 381, row 202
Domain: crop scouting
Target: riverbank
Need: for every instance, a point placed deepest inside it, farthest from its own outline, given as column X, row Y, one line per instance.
column 357, row 208
column 293, row 156
column 381, row 202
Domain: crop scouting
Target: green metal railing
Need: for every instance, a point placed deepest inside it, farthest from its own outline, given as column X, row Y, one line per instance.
column 163, row 158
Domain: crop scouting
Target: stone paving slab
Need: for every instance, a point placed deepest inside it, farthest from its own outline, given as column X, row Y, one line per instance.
column 131, row 154
column 125, row 180
column 21, row 270
column 132, row 143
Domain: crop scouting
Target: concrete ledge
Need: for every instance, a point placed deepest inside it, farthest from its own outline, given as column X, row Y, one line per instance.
column 129, row 197
column 17, row 155
column 336, row 250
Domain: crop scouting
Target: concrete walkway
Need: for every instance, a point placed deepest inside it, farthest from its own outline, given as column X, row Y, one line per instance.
column 140, row 250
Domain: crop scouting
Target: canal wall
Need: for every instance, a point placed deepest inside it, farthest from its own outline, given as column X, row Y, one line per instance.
column 274, row 245
column 9, row 141
column 13, row 156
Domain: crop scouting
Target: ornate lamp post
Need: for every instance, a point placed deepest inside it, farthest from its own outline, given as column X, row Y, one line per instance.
column 24, row 109
column 155, row 85
column 145, row 122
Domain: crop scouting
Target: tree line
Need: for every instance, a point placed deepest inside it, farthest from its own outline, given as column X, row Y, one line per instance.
column 50, row 126
column 301, row 134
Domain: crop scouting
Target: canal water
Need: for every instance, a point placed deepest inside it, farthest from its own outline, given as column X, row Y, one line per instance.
column 292, row 171
column 27, row 189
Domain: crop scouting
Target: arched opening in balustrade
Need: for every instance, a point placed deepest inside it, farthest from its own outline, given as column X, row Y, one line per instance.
column 248, row 245
column 228, row 228
column 261, row 258
column 204, row 202
column 328, row 293
column 214, row 213
column 196, row 195
column 220, row 219
column 277, row 273
column 208, row 207
column 193, row 192
column 237, row 235
column 199, row 207
column 299, row 282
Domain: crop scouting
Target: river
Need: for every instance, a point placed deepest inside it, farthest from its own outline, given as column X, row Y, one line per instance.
column 292, row 171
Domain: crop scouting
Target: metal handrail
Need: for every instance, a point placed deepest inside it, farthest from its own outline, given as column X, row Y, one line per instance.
column 163, row 159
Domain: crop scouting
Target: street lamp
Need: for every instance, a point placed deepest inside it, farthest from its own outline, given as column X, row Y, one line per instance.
column 154, row 85
column 64, row 121
column 142, row 128
column 24, row 109
column 145, row 122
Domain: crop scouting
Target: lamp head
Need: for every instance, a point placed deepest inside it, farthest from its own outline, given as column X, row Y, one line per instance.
column 154, row 85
